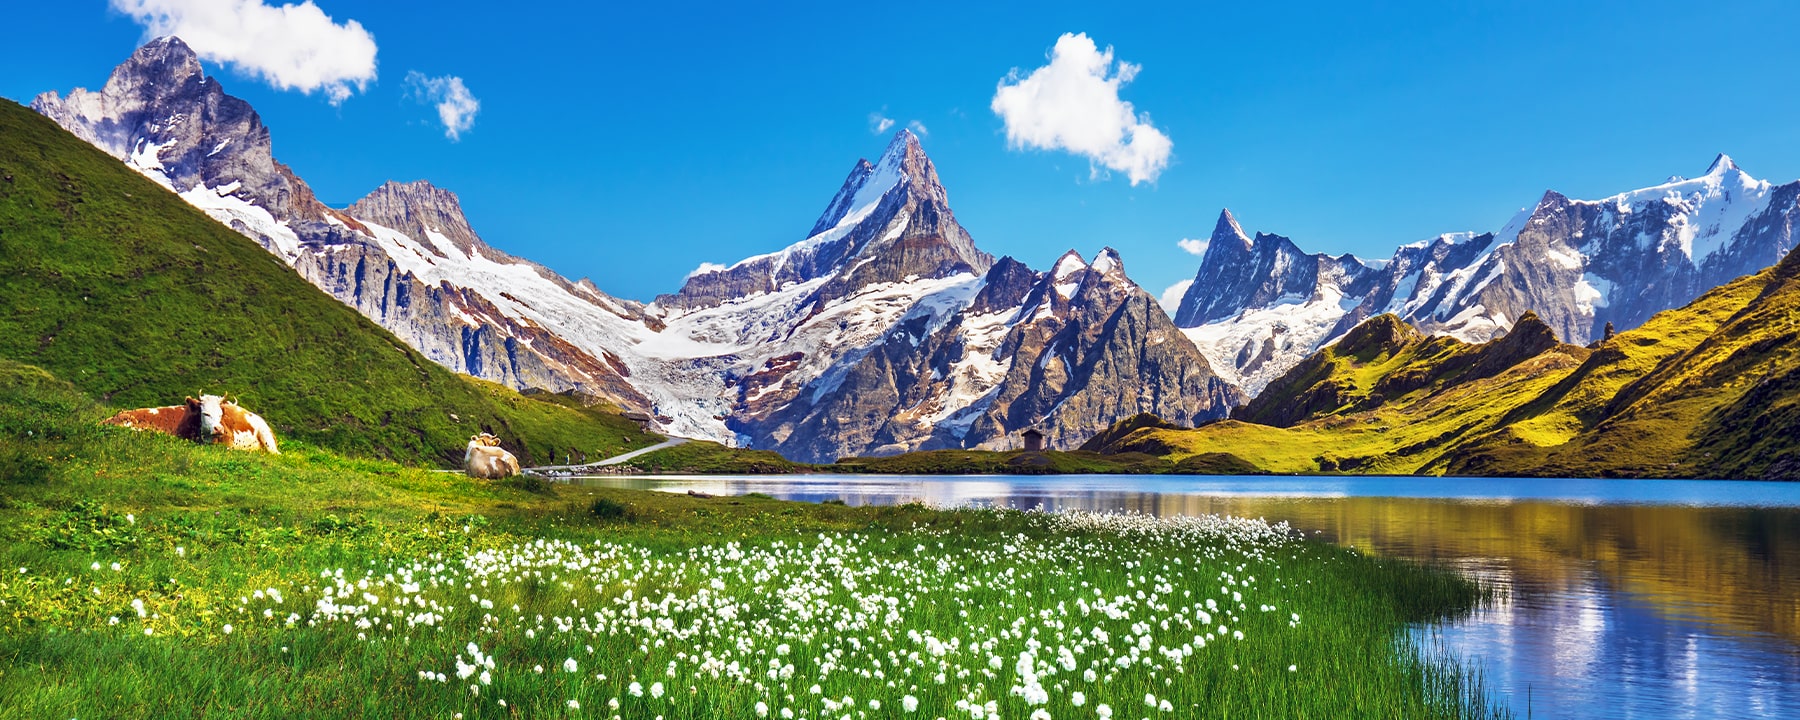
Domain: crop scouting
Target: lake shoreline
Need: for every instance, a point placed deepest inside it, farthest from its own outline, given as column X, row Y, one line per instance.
column 1658, row 598
column 707, row 458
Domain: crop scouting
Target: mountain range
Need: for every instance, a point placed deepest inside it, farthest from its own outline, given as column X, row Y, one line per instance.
column 883, row 330
column 1258, row 307
column 1710, row 389
column 886, row 329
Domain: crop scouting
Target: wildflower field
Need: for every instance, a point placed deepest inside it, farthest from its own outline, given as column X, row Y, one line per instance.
column 148, row 578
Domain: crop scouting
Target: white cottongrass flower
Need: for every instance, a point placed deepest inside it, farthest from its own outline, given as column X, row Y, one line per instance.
column 227, row 628
column 1077, row 698
column 574, row 705
column 636, row 689
column 909, row 703
column 569, row 665
column 1103, row 711
column 656, row 689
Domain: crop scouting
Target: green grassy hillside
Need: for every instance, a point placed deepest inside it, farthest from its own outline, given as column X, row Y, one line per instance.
column 116, row 285
column 1707, row 390
column 1738, row 390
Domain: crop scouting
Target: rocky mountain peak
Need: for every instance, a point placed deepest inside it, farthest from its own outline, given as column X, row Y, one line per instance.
column 165, row 60
column 902, row 164
column 420, row 210
column 1004, row 287
column 1108, row 262
column 1067, row 266
column 1228, row 235
column 160, row 114
column 905, row 152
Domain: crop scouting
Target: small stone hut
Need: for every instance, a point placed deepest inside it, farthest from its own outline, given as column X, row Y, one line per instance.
column 1034, row 440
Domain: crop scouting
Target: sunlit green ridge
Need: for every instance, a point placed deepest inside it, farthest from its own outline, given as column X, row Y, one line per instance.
column 1705, row 390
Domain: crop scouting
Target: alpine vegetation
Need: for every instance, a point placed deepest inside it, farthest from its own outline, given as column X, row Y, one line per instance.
column 147, row 575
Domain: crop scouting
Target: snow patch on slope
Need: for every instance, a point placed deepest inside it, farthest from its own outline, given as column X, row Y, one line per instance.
column 1709, row 210
column 1258, row 345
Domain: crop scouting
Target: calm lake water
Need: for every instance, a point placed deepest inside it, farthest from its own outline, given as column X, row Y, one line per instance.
column 1621, row 598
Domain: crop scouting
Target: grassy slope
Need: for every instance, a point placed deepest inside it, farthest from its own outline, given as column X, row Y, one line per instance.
column 1425, row 394
column 1570, row 429
column 1704, row 390
column 120, row 287
column 196, row 528
column 1738, row 390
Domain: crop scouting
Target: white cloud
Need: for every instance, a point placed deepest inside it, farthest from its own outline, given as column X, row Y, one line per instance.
column 1171, row 296
column 706, row 268
column 918, row 128
column 292, row 47
column 1192, row 246
column 1073, row 104
column 879, row 123
column 455, row 105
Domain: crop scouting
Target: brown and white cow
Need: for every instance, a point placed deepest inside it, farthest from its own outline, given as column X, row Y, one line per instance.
column 226, row 423
column 210, row 419
column 484, row 458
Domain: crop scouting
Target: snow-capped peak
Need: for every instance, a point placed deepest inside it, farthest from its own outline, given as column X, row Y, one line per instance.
column 1458, row 238
column 903, row 143
column 1069, row 264
column 1721, row 165
column 1107, row 261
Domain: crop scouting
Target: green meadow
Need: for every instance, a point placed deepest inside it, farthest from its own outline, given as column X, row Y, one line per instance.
column 148, row 577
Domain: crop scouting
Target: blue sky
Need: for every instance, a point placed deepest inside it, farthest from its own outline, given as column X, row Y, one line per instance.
column 629, row 142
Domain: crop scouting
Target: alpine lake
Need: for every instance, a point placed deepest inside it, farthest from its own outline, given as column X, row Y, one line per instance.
column 1614, row 598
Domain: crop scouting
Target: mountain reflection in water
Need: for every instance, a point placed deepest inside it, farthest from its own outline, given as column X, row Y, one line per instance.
column 1619, row 599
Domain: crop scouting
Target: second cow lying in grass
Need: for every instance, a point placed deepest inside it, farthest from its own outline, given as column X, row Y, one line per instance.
column 484, row 458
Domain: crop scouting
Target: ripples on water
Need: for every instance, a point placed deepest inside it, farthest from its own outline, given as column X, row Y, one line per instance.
column 1618, row 598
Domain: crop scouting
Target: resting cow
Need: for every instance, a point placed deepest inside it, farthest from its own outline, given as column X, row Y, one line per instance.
column 210, row 419
column 226, row 423
column 484, row 458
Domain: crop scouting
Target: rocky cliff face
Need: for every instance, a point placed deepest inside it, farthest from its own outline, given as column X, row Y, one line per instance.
column 884, row 329
column 1061, row 351
column 1577, row 264
column 1257, row 306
